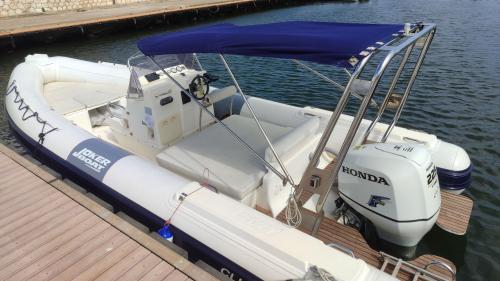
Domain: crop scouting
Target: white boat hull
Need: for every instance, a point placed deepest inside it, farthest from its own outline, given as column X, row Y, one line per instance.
column 246, row 242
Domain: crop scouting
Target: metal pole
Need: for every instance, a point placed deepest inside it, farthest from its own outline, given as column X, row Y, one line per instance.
column 348, row 73
column 329, row 80
column 346, row 145
column 242, row 142
column 201, row 111
column 389, row 92
column 336, row 115
column 322, row 76
column 410, row 85
column 198, row 61
column 289, row 178
column 341, row 105
column 325, row 186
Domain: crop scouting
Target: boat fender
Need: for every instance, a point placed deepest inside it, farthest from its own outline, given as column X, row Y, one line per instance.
column 166, row 233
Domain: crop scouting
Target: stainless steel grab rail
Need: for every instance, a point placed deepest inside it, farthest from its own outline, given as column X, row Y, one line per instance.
column 342, row 248
column 405, row 41
column 410, row 84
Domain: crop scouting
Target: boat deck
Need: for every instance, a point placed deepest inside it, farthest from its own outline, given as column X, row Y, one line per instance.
column 455, row 213
column 332, row 232
column 51, row 231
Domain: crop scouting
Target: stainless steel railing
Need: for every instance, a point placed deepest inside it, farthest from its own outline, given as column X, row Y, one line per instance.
column 396, row 46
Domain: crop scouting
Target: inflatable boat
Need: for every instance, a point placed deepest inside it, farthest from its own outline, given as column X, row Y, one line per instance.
column 218, row 167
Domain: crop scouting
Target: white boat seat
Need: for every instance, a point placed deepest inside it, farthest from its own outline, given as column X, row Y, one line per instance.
column 220, row 94
column 233, row 170
column 68, row 97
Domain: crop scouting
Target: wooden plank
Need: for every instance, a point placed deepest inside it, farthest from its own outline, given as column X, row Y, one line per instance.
column 14, row 199
column 159, row 272
column 21, row 185
column 330, row 231
column 142, row 238
column 26, row 216
column 10, row 175
column 16, row 252
column 43, row 223
column 10, row 154
column 97, row 247
column 49, row 254
column 141, row 268
column 33, row 168
column 47, row 235
column 25, row 260
column 99, row 266
column 121, row 267
column 38, row 237
column 176, row 275
column 455, row 213
column 32, row 211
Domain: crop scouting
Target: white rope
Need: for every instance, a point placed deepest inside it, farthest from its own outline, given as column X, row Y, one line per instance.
column 322, row 274
column 293, row 215
column 325, row 275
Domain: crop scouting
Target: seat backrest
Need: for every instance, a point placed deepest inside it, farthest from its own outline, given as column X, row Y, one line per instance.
column 276, row 113
column 294, row 149
column 286, row 144
column 220, row 94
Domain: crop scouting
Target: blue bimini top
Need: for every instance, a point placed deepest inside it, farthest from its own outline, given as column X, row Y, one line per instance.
column 321, row 42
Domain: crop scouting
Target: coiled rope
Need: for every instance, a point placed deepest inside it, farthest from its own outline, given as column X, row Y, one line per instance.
column 322, row 274
column 293, row 216
column 28, row 113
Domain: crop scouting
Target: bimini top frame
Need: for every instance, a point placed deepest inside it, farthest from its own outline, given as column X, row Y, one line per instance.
column 347, row 45
column 416, row 36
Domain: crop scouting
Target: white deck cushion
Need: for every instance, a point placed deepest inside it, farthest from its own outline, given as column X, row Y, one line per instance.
column 233, row 170
column 289, row 142
column 67, row 97
column 274, row 112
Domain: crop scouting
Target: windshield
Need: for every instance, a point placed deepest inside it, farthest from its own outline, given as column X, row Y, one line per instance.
column 141, row 66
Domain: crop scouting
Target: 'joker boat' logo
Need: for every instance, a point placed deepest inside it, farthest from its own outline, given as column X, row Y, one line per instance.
column 91, row 159
column 95, row 157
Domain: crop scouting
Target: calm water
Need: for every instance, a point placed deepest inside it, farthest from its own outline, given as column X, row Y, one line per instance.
column 456, row 97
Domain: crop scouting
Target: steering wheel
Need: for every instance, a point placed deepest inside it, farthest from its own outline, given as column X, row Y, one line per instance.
column 199, row 86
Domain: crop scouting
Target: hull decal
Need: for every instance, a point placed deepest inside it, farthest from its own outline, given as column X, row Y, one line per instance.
column 95, row 157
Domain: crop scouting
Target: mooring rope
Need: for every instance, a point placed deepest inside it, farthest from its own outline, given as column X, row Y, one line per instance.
column 28, row 113
column 184, row 196
column 293, row 216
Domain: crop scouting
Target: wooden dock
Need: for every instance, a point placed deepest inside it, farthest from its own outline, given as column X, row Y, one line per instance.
column 51, row 231
column 81, row 21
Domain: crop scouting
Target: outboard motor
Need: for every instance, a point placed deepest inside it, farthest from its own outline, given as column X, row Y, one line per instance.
column 395, row 187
